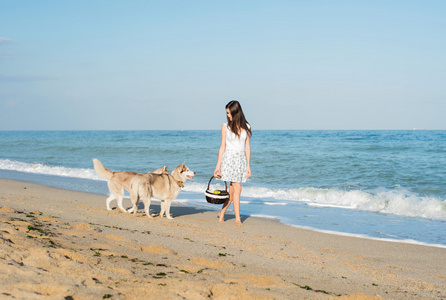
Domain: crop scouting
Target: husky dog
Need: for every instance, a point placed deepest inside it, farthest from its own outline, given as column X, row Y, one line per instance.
column 159, row 184
column 164, row 187
column 118, row 181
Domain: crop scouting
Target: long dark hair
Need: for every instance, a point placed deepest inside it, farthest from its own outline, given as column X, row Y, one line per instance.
column 238, row 119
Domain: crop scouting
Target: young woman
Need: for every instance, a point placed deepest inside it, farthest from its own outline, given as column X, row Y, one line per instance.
column 234, row 157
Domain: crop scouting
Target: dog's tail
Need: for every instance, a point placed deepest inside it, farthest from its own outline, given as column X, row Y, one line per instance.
column 101, row 170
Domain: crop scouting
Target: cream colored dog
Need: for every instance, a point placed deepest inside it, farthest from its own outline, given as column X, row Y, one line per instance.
column 118, row 181
column 163, row 186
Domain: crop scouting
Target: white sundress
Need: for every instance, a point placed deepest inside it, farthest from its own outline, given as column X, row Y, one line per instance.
column 234, row 163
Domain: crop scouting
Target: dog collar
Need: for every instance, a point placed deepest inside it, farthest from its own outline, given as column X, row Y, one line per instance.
column 180, row 184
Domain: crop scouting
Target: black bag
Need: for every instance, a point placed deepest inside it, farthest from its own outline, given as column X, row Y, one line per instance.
column 216, row 196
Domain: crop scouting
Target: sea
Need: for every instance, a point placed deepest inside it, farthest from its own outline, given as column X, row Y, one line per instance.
column 388, row 185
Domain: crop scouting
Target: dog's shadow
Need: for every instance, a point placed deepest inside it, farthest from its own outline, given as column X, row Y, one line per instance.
column 178, row 211
column 175, row 211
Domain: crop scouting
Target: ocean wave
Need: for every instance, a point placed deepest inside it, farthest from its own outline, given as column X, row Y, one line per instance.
column 396, row 202
column 39, row 168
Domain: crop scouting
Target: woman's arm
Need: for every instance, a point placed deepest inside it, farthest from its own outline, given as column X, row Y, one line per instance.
column 221, row 151
column 248, row 156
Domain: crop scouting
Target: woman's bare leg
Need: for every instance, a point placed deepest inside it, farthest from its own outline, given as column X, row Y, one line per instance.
column 237, row 191
column 221, row 214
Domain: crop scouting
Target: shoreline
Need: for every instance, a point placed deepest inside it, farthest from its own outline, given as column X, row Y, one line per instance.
column 360, row 236
column 412, row 229
column 94, row 252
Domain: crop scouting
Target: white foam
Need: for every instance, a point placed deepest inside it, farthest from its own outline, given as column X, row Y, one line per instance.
column 397, row 202
column 265, row 217
column 329, row 205
column 180, row 201
column 39, row 168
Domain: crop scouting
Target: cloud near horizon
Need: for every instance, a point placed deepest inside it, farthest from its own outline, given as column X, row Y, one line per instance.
column 4, row 40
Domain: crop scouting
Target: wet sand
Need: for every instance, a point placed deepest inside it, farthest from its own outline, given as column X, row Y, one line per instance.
column 58, row 244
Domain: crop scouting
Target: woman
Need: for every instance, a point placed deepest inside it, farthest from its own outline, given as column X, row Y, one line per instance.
column 234, row 157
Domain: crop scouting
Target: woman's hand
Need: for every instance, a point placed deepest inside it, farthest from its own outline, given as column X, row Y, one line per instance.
column 217, row 172
column 248, row 172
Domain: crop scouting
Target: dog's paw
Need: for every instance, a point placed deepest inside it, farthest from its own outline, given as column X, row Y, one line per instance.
column 169, row 217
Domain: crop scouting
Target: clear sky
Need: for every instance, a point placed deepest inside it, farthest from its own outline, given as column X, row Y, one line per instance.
column 319, row 64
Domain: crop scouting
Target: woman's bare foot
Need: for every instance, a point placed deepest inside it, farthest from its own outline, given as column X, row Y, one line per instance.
column 238, row 223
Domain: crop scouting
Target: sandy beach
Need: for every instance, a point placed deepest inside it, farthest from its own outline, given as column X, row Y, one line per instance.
column 58, row 244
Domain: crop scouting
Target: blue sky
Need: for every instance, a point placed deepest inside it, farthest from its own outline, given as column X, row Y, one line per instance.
column 81, row 65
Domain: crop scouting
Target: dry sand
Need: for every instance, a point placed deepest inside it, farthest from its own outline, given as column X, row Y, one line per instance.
column 58, row 244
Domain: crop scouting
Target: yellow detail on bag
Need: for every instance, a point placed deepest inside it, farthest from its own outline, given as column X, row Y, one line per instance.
column 217, row 192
